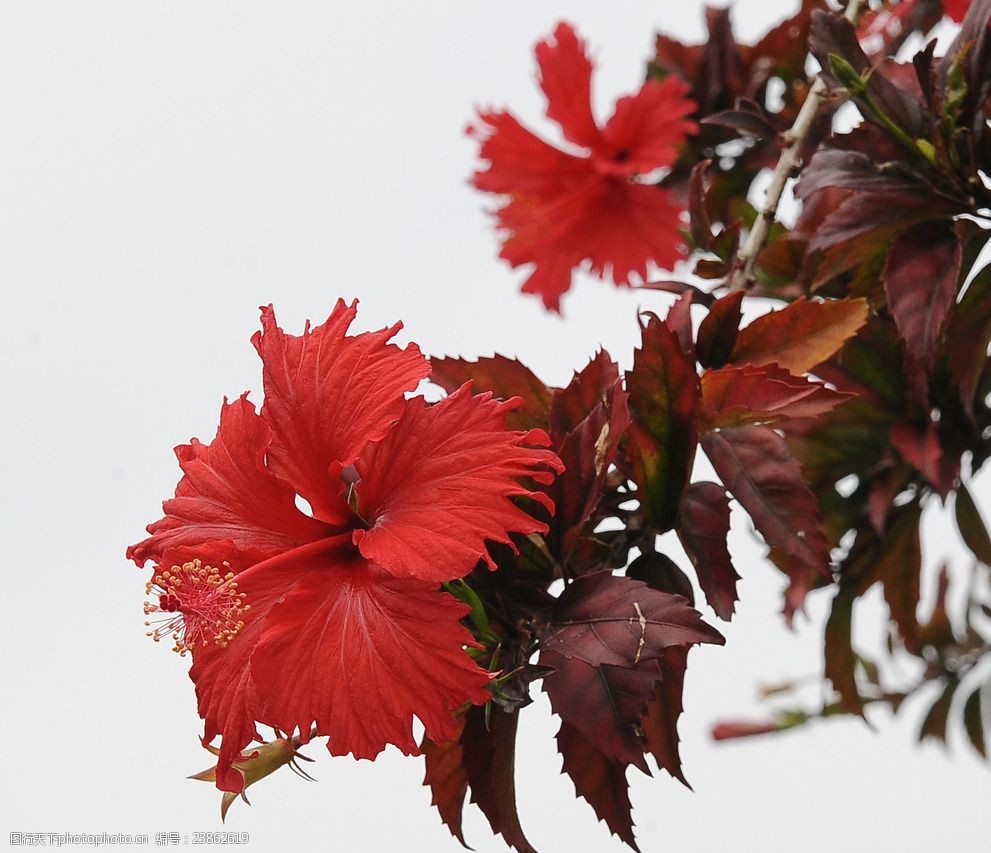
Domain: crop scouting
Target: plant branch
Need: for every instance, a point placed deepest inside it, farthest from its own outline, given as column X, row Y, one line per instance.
column 788, row 164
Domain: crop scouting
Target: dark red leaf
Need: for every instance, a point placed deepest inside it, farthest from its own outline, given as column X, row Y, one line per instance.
column 853, row 170
column 660, row 725
column 703, row 528
column 505, row 378
column 973, row 530
column 935, row 722
column 605, row 641
column 800, row 336
column 920, row 280
column 710, row 269
column 599, row 779
column 661, row 441
column 783, row 261
column 718, row 331
column 922, row 449
column 870, row 365
column 883, row 214
column 489, row 748
column 801, row 581
column 605, row 702
column 938, row 630
column 848, row 440
column 783, row 47
column 714, row 69
column 840, row 658
column 733, row 729
column 445, row 776
column 699, row 296
column 620, row 621
column 701, row 225
column 747, row 117
column 757, row 468
column 967, row 336
column 898, row 565
column 974, row 723
column 884, row 488
column 860, row 257
column 679, row 321
column 660, row 572
column 595, row 415
column 734, row 396
column 568, row 407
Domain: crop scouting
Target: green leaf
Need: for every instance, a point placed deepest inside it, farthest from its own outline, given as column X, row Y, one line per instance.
column 847, row 75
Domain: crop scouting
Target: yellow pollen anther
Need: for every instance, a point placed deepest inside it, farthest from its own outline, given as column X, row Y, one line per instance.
column 201, row 603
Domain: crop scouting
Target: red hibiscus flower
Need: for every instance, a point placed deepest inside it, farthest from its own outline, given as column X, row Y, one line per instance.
column 565, row 208
column 956, row 9
column 332, row 619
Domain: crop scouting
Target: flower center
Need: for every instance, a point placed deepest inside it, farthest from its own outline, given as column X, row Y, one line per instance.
column 201, row 603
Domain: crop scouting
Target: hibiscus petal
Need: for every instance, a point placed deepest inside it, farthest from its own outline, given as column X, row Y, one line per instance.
column 228, row 493
column 327, row 394
column 551, row 278
column 566, row 78
column 619, row 225
column 227, row 696
column 633, row 225
column 439, row 485
column 521, row 164
column 648, row 128
column 552, row 233
column 228, row 702
column 360, row 653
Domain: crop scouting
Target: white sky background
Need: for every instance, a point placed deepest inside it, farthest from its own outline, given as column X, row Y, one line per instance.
column 165, row 168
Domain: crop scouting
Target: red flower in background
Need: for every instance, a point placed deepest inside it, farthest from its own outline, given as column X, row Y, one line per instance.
column 565, row 208
column 956, row 9
column 334, row 618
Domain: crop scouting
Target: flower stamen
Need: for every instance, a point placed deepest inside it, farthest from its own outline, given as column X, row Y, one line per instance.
column 201, row 603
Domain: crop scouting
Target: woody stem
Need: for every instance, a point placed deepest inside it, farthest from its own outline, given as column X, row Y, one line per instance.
column 789, row 163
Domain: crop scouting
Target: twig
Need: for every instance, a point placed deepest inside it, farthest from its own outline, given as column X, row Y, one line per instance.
column 788, row 164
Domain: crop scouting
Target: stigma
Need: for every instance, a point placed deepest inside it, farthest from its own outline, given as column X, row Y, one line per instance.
column 200, row 605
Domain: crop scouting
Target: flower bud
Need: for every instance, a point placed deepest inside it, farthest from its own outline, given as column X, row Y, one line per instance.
column 256, row 764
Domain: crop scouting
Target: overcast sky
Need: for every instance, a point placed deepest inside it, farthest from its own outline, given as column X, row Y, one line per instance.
column 166, row 168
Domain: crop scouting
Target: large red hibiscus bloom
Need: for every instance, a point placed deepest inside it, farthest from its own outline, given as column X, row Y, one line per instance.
column 332, row 619
column 565, row 208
